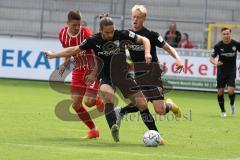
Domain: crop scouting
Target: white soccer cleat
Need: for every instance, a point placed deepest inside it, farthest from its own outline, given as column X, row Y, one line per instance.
column 118, row 115
column 223, row 114
column 233, row 109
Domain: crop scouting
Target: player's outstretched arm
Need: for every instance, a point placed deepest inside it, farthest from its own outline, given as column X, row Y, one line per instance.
column 70, row 51
column 175, row 55
column 147, row 47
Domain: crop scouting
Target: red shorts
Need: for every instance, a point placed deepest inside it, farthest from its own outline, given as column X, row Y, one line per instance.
column 78, row 85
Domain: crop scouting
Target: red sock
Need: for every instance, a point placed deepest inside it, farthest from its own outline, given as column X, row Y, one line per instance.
column 99, row 104
column 98, row 101
column 85, row 117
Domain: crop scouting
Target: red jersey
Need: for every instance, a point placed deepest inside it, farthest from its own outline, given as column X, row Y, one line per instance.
column 85, row 59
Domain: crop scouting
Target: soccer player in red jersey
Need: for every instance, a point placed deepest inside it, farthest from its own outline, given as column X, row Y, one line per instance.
column 72, row 35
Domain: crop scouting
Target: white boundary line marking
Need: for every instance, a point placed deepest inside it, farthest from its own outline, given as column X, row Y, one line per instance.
column 161, row 155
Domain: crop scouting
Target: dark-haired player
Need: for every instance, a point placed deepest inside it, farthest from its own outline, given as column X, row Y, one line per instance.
column 226, row 50
column 153, row 90
column 109, row 47
column 72, row 35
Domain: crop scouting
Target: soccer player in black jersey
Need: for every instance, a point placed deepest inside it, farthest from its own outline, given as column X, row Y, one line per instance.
column 109, row 47
column 151, row 83
column 226, row 50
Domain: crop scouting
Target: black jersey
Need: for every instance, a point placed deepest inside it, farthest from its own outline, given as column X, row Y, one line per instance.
column 106, row 49
column 227, row 54
column 137, row 50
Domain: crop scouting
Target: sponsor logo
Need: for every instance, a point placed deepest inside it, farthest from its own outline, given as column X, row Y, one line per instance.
column 136, row 47
column 229, row 54
column 160, row 39
column 131, row 34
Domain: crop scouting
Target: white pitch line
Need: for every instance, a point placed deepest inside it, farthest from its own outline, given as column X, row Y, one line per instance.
column 100, row 151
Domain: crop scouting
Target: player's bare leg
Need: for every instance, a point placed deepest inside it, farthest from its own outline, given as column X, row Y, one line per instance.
column 139, row 100
column 84, row 116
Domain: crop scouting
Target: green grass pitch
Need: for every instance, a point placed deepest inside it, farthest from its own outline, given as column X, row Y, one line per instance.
column 30, row 129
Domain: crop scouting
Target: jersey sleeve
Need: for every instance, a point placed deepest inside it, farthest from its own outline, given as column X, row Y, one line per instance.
column 86, row 44
column 215, row 51
column 87, row 33
column 129, row 35
column 157, row 39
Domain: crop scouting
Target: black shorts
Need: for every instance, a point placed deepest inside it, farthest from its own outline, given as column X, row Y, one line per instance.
column 119, row 76
column 226, row 79
column 150, row 82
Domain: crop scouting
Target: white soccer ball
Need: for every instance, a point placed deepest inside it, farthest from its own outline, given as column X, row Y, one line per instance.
column 151, row 138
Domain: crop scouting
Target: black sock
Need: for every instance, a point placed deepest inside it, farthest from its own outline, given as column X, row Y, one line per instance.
column 110, row 114
column 168, row 107
column 148, row 120
column 130, row 108
column 232, row 98
column 221, row 103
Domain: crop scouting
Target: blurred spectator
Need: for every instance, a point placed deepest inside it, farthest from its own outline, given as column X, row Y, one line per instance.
column 185, row 43
column 83, row 23
column 172, row 36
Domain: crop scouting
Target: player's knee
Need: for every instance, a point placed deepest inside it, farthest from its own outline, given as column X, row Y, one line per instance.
column 108, row 98
column 76, row 106
column 76, row 103
column 141, row 104
column 230, row 92
column 220, row 92
column 160, row 110
column 89, row 102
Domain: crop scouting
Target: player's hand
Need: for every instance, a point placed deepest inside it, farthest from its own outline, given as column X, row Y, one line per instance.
column 179, row 66
column 219, row 63
column 90, row 78
column 148, row 58
column 48, row 54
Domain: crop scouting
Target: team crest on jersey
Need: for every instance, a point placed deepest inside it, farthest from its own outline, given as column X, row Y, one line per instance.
column 131, row 34
column 160, row 39
column 234, row 48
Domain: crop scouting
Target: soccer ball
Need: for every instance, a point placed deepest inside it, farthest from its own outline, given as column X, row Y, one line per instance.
column 151, row 138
